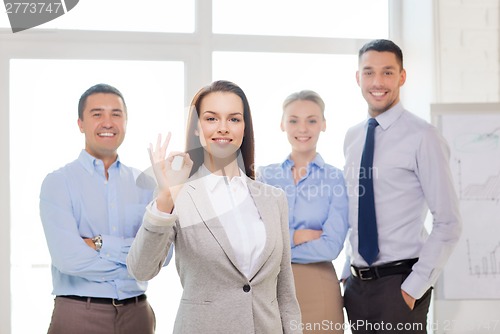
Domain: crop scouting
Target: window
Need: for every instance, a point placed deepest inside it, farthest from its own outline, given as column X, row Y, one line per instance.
column 314, row 18
column 124, row 15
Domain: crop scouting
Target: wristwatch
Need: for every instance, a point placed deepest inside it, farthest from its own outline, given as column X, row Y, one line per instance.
column 97, row 240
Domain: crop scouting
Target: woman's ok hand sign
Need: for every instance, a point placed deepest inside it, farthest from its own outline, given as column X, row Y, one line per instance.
column 170, row 175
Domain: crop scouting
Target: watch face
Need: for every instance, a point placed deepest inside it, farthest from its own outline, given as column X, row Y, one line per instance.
column 97, row 242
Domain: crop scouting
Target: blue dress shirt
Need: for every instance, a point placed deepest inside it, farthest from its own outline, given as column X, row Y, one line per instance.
column 77, row 201
column 318, row 202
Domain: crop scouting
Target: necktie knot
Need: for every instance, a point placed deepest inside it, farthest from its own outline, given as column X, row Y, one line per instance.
column 372, row 122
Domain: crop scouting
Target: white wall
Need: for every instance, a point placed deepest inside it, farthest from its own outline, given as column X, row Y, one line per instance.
column 467, row 36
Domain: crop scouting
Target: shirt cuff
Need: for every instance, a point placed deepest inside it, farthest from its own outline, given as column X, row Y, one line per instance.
column 415, row 286
column 158, row 218
column 115, row 248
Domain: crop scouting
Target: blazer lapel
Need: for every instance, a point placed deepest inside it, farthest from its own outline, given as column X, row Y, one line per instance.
column 266, row 208
column 200, row 197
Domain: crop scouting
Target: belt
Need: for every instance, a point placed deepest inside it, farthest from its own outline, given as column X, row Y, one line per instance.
column 110, row 301
column 386, row 269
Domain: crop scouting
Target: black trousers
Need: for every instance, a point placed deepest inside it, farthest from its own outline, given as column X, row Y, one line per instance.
column 377, row 306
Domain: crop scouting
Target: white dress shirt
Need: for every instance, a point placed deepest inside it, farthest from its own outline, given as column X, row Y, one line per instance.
column 238, row 214
column 234, row 207
column 411, row 174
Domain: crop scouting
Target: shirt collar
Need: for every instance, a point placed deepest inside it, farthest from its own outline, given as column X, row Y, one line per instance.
column 317, row 161
column 213, row 181
column 388, row 117
column 91, row 163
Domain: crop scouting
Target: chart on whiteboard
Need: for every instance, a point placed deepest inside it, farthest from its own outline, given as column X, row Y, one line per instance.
column 473, row 270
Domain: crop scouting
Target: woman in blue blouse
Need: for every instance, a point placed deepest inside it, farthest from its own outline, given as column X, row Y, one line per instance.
column 318, row 211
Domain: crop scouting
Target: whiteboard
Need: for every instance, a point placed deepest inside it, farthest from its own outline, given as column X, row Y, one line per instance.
column 473, row 135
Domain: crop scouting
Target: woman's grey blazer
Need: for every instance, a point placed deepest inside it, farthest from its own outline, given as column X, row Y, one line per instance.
column 218, row 298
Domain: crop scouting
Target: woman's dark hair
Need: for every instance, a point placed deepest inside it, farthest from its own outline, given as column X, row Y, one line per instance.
column 193, row 144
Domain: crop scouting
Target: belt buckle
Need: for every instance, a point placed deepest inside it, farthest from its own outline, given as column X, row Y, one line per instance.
column 362, row 277
column 117, row 303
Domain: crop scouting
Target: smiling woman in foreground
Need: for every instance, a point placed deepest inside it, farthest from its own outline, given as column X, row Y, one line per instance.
column 230, row 232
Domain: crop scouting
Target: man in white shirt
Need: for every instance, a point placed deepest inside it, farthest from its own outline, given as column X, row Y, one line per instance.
column 390, row 290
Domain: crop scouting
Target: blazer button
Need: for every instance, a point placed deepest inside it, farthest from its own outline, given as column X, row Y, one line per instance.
column 246, row 287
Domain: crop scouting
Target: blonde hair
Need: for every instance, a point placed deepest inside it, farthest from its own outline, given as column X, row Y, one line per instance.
column 305, row 95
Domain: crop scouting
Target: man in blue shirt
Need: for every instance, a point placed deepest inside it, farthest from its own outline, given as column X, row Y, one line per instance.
column 91, row 210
